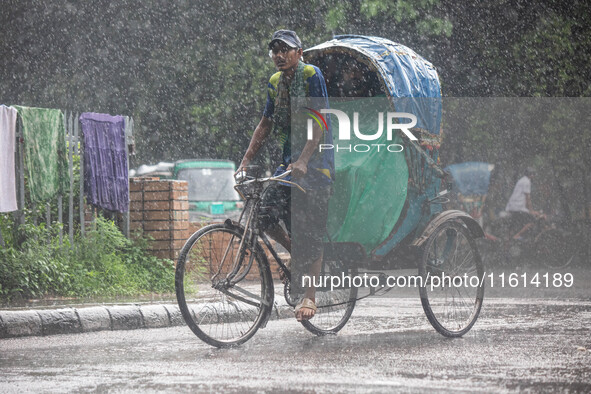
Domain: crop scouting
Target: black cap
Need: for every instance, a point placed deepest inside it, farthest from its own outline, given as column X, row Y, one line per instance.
column 287, row 36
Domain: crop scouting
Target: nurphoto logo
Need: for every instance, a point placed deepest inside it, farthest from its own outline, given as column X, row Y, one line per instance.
column 391, row 120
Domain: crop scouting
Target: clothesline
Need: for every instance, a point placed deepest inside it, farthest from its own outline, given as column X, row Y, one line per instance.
column 46, row 162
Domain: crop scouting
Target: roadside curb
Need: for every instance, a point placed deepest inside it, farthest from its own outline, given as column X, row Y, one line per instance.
column 99, row 318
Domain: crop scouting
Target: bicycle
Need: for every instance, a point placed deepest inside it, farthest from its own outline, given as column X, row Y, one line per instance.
column 224, row 285
column 545, row 242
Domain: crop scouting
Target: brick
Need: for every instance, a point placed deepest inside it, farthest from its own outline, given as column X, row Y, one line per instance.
column 157, row 215
column 179, row 225
column 180, row 215
column 180, row 234
column 157, row 196
column 135, row 196
column 194, row 227
column 158, row 225
column 134, row 225
column 136, row 216
column 157, row 205
column 180, row 185
column 156, row 186
column 180, row 195
column 180, row 205
column 158, row 235
column 167, row 244
column 136, row 206
column 160, row 245
column 143, row 179
column 135, row 186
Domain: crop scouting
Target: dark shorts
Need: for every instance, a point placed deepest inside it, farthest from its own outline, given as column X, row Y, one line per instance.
column 305, row 216
column 519, row 220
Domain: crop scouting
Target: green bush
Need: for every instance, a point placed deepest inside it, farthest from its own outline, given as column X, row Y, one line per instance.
column 101, row 263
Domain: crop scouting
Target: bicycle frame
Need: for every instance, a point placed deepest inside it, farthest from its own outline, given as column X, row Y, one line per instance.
column 252, row 191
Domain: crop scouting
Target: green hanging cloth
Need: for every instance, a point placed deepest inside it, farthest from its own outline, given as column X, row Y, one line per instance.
column 45, row 152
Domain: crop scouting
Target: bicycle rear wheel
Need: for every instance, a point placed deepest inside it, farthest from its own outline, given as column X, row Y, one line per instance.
column 334, row 306
column 452, row 287
column 223, row 297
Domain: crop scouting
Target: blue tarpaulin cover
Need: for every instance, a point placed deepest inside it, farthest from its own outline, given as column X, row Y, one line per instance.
column 406, row 75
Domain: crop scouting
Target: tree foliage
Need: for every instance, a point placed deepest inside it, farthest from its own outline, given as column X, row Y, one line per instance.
column 193, row 74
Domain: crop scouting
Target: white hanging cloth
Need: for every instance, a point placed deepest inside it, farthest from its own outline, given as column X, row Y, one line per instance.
column 7, row 145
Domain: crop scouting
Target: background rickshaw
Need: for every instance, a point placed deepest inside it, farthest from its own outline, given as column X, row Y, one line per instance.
column 470, row 187
column 384, row 206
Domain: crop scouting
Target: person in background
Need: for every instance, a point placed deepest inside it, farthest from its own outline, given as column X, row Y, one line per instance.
column 520, row 206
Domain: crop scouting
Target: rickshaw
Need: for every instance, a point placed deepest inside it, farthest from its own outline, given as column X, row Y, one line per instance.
column 224, row 279
column 471, row 181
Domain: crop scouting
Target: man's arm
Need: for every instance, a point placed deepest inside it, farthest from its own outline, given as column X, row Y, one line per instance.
column 530, row 207
column 300, row 167
column 318, row 97
column 258, row 138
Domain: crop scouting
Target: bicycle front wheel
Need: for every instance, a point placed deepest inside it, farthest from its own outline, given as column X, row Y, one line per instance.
column 224, row 295
column 452, row 277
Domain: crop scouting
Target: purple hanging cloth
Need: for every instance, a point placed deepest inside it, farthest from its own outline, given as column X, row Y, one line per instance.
column 106, row 181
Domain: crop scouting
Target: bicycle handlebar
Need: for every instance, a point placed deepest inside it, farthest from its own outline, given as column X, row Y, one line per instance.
column 241, row 179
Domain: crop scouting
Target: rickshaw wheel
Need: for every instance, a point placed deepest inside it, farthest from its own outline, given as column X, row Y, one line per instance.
column 334, row 306
column 551, row 248
column 452, row 273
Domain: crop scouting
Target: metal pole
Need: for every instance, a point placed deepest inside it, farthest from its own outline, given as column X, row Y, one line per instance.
column 21, row 174
column 60, row 218
column 127, row 130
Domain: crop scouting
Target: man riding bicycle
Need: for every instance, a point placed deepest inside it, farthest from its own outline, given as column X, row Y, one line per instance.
column 310, row 168
column 520, row 206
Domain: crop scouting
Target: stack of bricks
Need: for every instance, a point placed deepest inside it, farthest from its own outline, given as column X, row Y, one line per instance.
column 160, row 209
column 254, row 272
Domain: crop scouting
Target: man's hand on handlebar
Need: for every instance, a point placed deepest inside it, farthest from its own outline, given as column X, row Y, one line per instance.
column 240, row 175
column 298, row 169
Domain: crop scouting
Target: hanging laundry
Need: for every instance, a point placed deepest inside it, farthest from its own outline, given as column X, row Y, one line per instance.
column 106, row 181
column 45, row 152
column 7, row 145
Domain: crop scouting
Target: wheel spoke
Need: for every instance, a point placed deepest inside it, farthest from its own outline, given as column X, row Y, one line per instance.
column 216, row 308
column 452, row 310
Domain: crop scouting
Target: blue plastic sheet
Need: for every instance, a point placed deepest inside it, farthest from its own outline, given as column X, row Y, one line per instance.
column 411, row 82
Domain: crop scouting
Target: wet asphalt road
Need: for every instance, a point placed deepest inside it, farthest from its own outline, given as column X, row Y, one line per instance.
column 524, row 340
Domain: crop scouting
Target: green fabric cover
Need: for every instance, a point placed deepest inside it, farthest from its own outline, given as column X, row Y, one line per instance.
column 370, row 188
column 45, row 152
